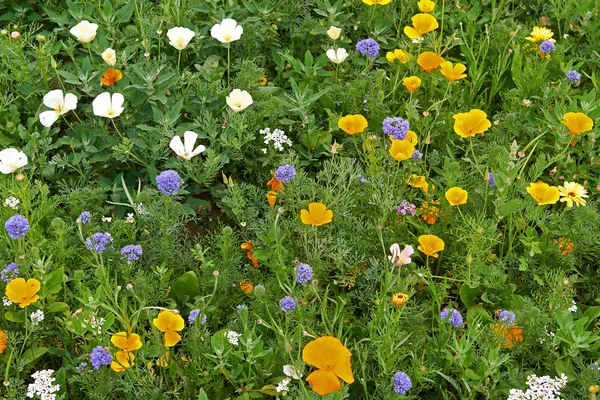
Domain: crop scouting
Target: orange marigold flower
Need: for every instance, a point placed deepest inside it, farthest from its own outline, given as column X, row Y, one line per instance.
column 332, row 360
column 316, row 215
column 170, row 323
column 508, row 335
column 565, row 246
column 246, row 286
column 111, row 76
column 429, row 61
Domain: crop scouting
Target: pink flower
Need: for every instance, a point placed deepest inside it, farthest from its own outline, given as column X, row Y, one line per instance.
column 398, row 257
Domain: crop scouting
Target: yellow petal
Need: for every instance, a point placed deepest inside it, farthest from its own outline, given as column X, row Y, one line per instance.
column 171, row 338
column 323, row 382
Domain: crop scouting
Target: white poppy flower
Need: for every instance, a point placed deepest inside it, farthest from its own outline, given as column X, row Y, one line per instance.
column 11, row 160
column 60, row 105
column 186, row 149
column 84, row 31
column 227, row 31
column 110, row 57
column 104, row 106
column 334, row 32
column 180, row 37
column 289, row 370
column 337, row 56
column 239, row 100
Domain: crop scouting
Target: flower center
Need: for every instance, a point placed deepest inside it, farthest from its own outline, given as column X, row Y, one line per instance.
column 111, row 112
column 227, row 37
column 571, row 194
column 58, row 108
column 179, row 42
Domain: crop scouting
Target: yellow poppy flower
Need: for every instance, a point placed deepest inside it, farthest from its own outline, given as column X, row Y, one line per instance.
column 376, row 2
column 418, row 181
column 170, row 323
column 430, row 245
column 573, row 192
column 332, row 360
column 124, row 360
column 543, row 193
column 401, row 150
column 397, row 56
column 412, row 83
column 3, row 340
column 457, row 196
column 411, row 136
column 353, row 124
column 422, row 24
column 471, row 123
column 577, row 123
column 126, row 343
column 399, row 299
column 316, row 215
column 429, row 61
column 540, row 34
column 453, row 73
column 426, row 5
column 23, row 292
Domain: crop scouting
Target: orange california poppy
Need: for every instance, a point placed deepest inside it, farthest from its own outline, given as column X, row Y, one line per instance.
column 275, row 183
column 421, row 24
column 543, row 193
column 429, row 61
column 411, row 83
column 247, row 245
column 577, row 123
column 471, row 123
column 457, row 196
column 402, row 150
column 126, row 343
column 332, row 360
column 418, row 181
column 246, row 286
column 430, row 245
column 353, row 124
column 111, row 76
column 316, row 215
column 23, row 292
column 271, row 197
column 124, row 360
column 170, row 323
column 453, row 73
column 3, row 340
column 508, row 335
column 252, row 259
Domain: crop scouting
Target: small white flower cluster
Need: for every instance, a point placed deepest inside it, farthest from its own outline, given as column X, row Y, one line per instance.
column 43, row 385
column 278, row 137
column 282, row 387
column 141, row 209
column 6, row 301
column 130, row 218
column 106, row 219
column 542, row 388
column 573, row 308
column 233, row 337
column 96, row 323
column 527, row 102
column 36, row 317
column 12, row 202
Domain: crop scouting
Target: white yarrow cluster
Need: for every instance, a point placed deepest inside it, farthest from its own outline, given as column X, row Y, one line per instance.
column 282, row 387
column 12, row 202
column 36, row 317
column 233, row 337
column 43, row 385
column 540, row 388
column 96, row 323
column 278, row 137
column 573, row 308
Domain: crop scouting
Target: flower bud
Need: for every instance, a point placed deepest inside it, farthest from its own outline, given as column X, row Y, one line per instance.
column 334, row 32
column 15, row 35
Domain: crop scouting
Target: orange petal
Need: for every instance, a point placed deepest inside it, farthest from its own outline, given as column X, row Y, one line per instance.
column 323, row 382
column 172, row 338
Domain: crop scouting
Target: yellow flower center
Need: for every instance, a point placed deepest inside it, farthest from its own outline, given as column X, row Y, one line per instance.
column 227, row 37
column 58, row 108
column 179, row 42
column 111, row 112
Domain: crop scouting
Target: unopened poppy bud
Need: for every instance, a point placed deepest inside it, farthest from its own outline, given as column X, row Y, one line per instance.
column 288, row 348
column 243, row 224
column 259, row 321
column 280, row 210
column 40, row 38
column 15, row 35
column 314, row 283
column 215, row 273
column 423, row 369
column 6, row 383
column 4, row 32
column 565, row 282
column 305, row 333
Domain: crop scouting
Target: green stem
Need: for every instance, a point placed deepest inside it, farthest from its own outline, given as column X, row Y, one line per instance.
column 228, row 64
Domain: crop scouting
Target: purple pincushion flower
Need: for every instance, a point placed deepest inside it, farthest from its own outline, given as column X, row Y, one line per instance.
column 168, row 182
column 98, row 242
column 287, row 304
column 368, row 47
column 491, row 181
column 417, row 155
column 547, row 46
column 402, row 383
column 506, row 317
column 573, row 76
column 133, row 252
column 16, row 226
column 285, row 173
column 9, row 273
column 85, row 217
column 397, row 127
column 304, row 273
column 452, row 316
column 99, row 357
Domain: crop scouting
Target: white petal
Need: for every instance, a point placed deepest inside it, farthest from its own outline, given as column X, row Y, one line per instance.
column 331, row 54
column 238, row 32
column 54, row 98
column 47, row 118
column 198, row 150
column 189, row 138
column 70, row 102
column 117, row 101
column 101, row 104
column 217, row 32
column 177, row 146
column 228, row 25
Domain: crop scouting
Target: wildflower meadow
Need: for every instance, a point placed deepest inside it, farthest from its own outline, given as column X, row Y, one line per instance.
column 285, row 199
